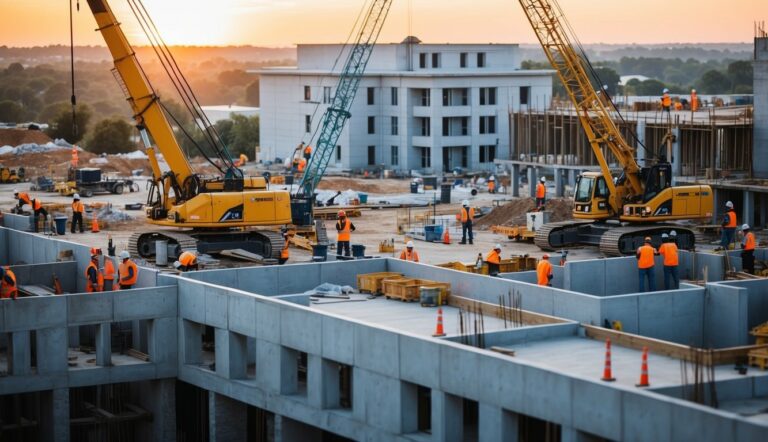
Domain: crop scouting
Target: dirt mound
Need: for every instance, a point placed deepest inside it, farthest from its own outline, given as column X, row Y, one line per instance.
column 513, row 213
column 56, row 163
column 16, row 137
column 365, row 185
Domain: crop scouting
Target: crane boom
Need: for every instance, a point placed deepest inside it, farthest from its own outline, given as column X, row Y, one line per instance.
column 337, row 114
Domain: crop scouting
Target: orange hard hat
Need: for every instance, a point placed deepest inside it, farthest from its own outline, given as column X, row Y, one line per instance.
column 546, row 256
column 342, row 213
column 95, row 251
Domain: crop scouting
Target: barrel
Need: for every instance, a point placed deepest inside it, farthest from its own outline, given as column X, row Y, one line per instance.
column 414, row 187
column 319, row 252
column 363, row 197
column 161, row 253
column 358, row 250
column 445, row 193
column 61, row 225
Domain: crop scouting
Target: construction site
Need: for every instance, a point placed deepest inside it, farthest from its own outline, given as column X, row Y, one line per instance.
column 605, row 280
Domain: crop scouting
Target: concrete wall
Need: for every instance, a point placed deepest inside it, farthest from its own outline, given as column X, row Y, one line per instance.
column 43, row 274
column 733, row 309
column 17, row 222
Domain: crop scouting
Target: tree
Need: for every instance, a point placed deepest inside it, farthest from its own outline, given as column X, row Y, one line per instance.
column 235, row 77
column 649, row 87
column 11, row 112
column 14, row 69
column 713, row 82
column 244, row 136
column 62, row 127
column 51, row 111
column 112, row 135
column 608, row 77
column 57, row 92
column 740, row 73
column 252, row 94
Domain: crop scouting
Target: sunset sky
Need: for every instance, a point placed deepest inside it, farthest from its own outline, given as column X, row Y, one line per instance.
column 286, row 22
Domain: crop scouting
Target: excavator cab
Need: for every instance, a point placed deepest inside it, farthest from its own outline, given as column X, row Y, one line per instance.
column 656, row 178
column 591, row 197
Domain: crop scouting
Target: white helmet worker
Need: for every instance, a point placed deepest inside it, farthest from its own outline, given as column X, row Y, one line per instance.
column 729, row 205
column 176, row 264
column 673, row 233
column 542, row 179
column 124, row 254
column 497, row 247
column 693, row 90
column 664, row 236
column 465, row 203
column 409, row 244
column 666, row 90
column 745, row 227
column 15, row 191
column 76, row 196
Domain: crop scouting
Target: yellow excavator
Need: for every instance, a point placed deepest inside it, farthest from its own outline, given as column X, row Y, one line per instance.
column 218, row 212
column 613, row 212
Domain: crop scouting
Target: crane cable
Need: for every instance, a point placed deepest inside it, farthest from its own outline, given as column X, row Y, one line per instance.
column 72, row 99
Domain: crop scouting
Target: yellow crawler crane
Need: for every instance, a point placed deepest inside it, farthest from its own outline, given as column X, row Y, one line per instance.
column 614, row 213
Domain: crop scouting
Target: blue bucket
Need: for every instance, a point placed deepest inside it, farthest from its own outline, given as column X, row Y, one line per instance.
column 363, row 197
column 319, row 252
column 358, row 250
column 61, row 225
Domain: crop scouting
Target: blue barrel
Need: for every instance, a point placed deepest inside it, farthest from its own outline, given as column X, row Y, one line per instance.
column 61, row 225
column 319, row 252
column 414, row 187
column 358, row 250
column 363, row 197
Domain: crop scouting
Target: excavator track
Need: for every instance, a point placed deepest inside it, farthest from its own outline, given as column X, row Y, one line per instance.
column 554, row 236
column 620, row 241
column 266, row 243
column 142, row 244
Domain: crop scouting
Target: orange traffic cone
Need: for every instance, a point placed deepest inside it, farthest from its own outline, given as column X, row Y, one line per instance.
column 94, row 223
column 439, row 330
column 446, row 237
column 644, row 382
column 607, row 374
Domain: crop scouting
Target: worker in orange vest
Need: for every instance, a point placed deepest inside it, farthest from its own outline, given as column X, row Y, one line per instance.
column 493, row 259
column 491, row 184
column 74, row 159
column 748, row 250
column 35, row 204
column 241, row 160
column 408, row 254
column 127, row 272
column 307, row 152
column 645, row 262
column 694, row 101
column 187, row 261
column 668, row 250
column 541, row 194
column 466, row 216
column 94, row 279
column 666, row 101
column 78, row 209
column 544, row 271
column 284, row 253
column 302, row 165
column 109, row 272
column 344, row 227
column 8, row 287
column 728, row 226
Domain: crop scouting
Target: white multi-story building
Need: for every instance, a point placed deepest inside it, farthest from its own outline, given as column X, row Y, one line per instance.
column 428, row 107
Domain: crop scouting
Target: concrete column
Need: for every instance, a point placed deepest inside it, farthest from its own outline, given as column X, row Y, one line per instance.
column 640, row 141
column 276, row 368
column 763, row 221
column 515, row 180
column 191, row 342
column 677, row 165
column 532, row 180
column 159, row 398
column 51, row 350
column 409, row 407
column 19, row 354
column 572, row 175
column 227, row 419
column 760, row 127
column 559, row 183
column 447, row 417
column 748, row 212
column 322, row 382
column 104, row 344
column 496, row 424
column 231, row 354
column 54, row 415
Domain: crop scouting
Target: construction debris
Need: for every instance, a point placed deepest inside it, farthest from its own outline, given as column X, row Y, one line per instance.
column 513, row 212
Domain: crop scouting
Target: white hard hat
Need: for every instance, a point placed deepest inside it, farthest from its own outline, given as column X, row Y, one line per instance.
column 673, row 233
column 729, row 205
column 666, row 90
column 664, row 235
column 76, row 196
column 497, row 247
column 693, row 90
column 176, row 264
column 15, row 191
column 465, row 203
column 745, row 227
column 124, row 254
column 542, row 179
column 409, row 244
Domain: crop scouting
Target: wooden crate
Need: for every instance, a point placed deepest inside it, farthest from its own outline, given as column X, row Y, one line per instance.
column 407, row 289
column 509, row 265
column 277, row 179
column 371, row 282
column 445, row 290
column 758, row 358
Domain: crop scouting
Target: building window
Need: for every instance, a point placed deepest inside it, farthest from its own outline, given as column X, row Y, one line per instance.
column 488, row 125
column 525, row 92
column 422, row 126
column 394, row 155
column 338, row 153
column 326, row 94
column 371, row 125
column 446, row 126
column 487, row 96
column 465, row 125
column 436, row 60
column 487, row 154
column 423, row 99
column 307, row 93
column 422, row 60
column 371, row 98
column 426, row 157
column 463, row 60
column 371, row 155
column 394, row 125
column 393, row 93
column 455, row 126
column 481, row 59
column 307, row 123
column 455, row 97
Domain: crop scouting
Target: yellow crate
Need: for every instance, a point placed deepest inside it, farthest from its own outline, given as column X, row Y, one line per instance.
column 277, row 179
column 407, row 289
column 371, row 282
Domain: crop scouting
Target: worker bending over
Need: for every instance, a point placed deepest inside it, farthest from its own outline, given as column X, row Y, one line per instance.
column 668, row 250
column 128, row 271
column 728, row 226
column 409, row 254
column 285, row 254
column 187, row 261
column 544, row 271
column 35, row 204
column 645, row 262
column 8, row 287
column 307, row 152
column 493, row 259
column 344, row 227
column 541, row 194
column 78, row 209
column 466, row 215
column 94, row 279
column 748, row 250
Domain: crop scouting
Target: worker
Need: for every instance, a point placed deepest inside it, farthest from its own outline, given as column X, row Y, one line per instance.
column 645, row 262
column 108, row 272
column 284, row 253
column 493, row 259
column 307, row 152
column 302, row 165
column 729, row 224
column 694, row 101
column 541, row 194
column 8, row 287
column 128, row 272
column 491, row 184
column 35, row 204
column 466, row 216
column 295, row 164
column 94, row 279
column 74, row 159
column 344, row 227
column 242, row 160
column 678, row 105
column 668, row 250
column 748, row 250
column 187, row 261
column 409, row 254
column 78, row 209
column 666, row 101
column 544, row 271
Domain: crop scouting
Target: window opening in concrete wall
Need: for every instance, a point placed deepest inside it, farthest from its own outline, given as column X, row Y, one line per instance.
column 371, row 155
column 307, row 123
column 393, row 97
column 4, row 338
column 20, row 416
column 470, row 415
column 104, row 412
column 345, row 386
column 424, row 409
column 481, row 59
column 487, row 154
column 394, row 124
column 531, row 429
column 338, row 153
column 422, row 60
column 394, row 157
column 371, row 125
column 463, row 60
column 301, row 373
column 371, row 96
column 525, row 91
column 191, row 413
column 327, row 436
column 261, row 425
column 307, row 93
column 250, row 360
column 436, row 60
column 208, row 344
column 326, row 94
column 426, row 156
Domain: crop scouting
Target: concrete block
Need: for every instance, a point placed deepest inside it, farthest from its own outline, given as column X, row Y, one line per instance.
column 747, row 430
column 621, row 308
column 19, row 354
column 191, row 300
column 268, row 321
column 90, row 308
column 268, row 367
column 378, row 399
column 626, row 266
column 35, row 313
column 501, row 382
column 586, row 276
column 419, row 361
column 191, row 335
column 231, row 353
column 242, row 314
column 459, row 368
column 672, row 316
column 162, row 341
column 726, row 316
column 547, row 395
column 646, row 418
column 371, row 344
column 297, row 278
column 216, row 307
column 159, row 398
column 338, row 339
column 301, row 329
column 536, row 298
column 155, row 302
column 600, row 416
column 223, row 277
column 54, row 415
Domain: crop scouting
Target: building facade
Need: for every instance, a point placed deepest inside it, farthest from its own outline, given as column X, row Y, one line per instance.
column 426, row 107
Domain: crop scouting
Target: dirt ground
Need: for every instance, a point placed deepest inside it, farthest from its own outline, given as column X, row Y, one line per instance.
column 377, row 186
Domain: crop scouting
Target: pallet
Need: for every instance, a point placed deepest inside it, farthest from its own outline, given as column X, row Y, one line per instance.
column 371, row 282
column 758, row 358
column 407, row 289
column 301, row 242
